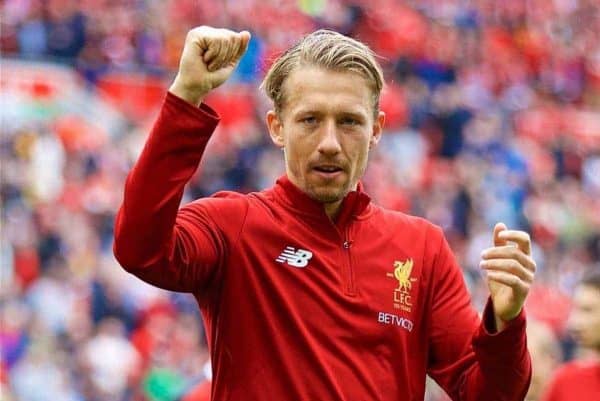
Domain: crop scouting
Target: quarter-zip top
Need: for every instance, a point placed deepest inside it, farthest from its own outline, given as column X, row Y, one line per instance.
column 300, row 308
column 356, row 205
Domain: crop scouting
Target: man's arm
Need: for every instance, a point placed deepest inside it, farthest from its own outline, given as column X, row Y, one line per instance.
column 473, row 359
column 170, row 249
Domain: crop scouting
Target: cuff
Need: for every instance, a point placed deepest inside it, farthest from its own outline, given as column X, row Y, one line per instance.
column 512, row 336
column 502, row 356
column 203, row 111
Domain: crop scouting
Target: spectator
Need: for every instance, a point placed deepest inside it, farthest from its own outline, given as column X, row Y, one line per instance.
column 580, row 379
column 545, row 357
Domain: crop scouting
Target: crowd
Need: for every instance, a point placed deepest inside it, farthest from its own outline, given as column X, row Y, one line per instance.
column 493, row 114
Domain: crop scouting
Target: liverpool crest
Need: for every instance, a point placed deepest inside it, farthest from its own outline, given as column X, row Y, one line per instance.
column 402, row 294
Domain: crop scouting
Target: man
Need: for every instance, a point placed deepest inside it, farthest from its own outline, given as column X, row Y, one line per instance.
column 545, row 356
column 580, row 380
column 308, row 290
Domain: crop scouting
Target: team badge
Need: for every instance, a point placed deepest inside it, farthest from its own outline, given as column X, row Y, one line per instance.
column 402, row 294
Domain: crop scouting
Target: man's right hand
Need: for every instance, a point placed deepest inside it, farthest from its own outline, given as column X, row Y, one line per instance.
column 208, row 58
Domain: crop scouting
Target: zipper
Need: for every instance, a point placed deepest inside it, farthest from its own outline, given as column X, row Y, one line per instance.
column 347, row 245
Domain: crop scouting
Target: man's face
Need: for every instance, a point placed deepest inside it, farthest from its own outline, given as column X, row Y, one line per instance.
column 585, row 317
column 326, row 128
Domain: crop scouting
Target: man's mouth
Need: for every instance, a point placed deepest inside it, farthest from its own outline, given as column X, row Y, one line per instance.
column 328, row 169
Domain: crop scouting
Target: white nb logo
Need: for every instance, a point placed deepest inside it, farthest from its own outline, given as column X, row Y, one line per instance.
column 296, row 258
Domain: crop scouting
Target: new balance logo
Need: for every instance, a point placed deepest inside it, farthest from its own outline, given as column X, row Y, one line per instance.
column 296, row 258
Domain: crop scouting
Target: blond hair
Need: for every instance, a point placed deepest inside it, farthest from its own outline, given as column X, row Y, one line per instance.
column 329, row 50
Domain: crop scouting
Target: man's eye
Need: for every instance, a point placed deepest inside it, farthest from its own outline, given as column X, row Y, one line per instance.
column 349, row 121
column 309, row 120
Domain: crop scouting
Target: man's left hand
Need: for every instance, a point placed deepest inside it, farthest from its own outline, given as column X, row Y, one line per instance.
column 510, row 271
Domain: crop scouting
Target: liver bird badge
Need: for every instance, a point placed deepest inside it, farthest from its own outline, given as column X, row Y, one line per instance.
column 402, row 273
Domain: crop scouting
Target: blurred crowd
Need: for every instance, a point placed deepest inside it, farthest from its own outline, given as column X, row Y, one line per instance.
column 493, row 114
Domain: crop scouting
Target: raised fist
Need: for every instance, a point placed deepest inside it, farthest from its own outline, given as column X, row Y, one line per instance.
column 208, row 58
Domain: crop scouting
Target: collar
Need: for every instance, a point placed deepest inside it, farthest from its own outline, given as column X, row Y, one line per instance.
column 355, row 204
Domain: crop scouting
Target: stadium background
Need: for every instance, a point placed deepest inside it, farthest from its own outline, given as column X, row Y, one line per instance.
column 493, row 115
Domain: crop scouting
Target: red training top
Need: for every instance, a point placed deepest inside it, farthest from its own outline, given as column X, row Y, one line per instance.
column 575, row 381
column 298, row 307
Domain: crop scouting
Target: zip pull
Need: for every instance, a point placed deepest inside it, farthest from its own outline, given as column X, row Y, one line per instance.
column 347, row 244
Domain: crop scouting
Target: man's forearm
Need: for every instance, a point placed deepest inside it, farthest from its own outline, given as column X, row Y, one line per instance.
column 155, row 185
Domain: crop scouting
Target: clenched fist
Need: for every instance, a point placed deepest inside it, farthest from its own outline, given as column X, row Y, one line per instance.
column 208, row 58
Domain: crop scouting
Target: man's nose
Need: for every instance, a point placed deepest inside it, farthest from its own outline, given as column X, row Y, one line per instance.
column 329, row 143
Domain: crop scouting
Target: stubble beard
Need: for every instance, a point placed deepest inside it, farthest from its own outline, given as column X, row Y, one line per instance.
column 328, row 195
column 334, row 193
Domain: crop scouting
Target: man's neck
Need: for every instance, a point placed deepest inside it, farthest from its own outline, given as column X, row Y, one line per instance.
column 332, row 209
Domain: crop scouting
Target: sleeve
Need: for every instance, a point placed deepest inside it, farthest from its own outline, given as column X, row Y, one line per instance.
column 171, row 249
column 468, row 358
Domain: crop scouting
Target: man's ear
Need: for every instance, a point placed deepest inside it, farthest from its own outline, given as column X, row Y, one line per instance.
column 275, row 126
column 377, row 129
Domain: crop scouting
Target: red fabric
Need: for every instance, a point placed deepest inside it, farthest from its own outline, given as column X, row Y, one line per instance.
column 340, row 327
column 578, row 380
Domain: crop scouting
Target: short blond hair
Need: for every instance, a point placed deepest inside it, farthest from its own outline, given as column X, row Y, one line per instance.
column 329, row 50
